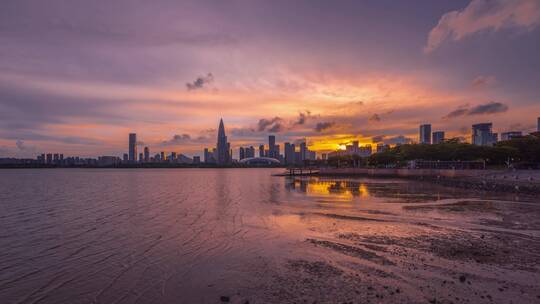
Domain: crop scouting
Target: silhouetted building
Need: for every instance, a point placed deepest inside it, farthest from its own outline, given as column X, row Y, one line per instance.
column 146, row 154
column 173, row 156
column 141, row 159
column 162, row 156
column 425, row 134
column 303, row 150
column 482, row 134
column 289, row 153
column 242, row 153
column 271, row 146
column 196, row 160
column 438, row 137
column 132, row 147
column 261, row 151
column 510, row 135
column 223, row 147
column 126, row 157
column 250, row 152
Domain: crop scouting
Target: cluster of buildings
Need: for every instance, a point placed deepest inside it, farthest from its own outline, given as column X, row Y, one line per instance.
column 271, row 154
column 144, row 157
column 482, row 134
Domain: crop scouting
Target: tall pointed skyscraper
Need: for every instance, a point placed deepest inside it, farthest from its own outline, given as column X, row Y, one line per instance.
column 223, row 157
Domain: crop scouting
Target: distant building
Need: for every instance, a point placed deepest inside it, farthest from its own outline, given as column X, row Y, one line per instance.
column 303, row 151
column 510, row 135
column 132, row 149
column 173, row 156
column 425, row 134
column 272, row 146
column 250, row 152
column 141, row 157
column 241, row 153
column 438, row 137
column 223, row 147
column 146, row 154
column 289, row 153
column 482, row 134
column 382, row 147
column 108, row 160
column 162, row 156
column 261, row 151
column 126, row 157
column 196, row 160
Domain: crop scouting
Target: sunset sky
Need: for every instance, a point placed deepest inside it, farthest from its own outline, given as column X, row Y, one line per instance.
column 77, row 76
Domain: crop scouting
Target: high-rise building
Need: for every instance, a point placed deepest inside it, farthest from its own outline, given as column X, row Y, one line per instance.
column 482, row 134
column 303, row 151
column 261, row 151
column 132, row 147
column 162, row 156
column 49, row 158
column 438, row 137
column 510, row 135
column 250, row 152
column 141, row 158
column 425, row 134
column 289, row 153
column 173, row 156
column 126, row 157
column 242, row 153
column 196, row 160
column 223, row 147
column 271, row 146
column 146, row 154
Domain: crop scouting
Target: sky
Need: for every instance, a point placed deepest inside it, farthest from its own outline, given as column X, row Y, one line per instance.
column 77, row 76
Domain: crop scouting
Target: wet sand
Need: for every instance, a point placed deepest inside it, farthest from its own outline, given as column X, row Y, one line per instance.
column 244, row 236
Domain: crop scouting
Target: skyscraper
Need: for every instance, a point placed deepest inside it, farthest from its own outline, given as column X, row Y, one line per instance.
column 132, row 147
column 425, row 134
column 482, row 134
column 223, row 146
column 146, row 154
column 438, row 137
column 272, row 146
column 242, row 153
column 289, row 153
column 303, row 151
column 261, row 151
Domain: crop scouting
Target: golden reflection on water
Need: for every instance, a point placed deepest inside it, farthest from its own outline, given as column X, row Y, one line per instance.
column 340, row 190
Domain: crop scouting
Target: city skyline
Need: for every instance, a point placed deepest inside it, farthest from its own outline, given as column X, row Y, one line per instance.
column 76, row 77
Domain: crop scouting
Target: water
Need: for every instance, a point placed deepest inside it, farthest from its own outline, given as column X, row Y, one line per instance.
column 195, row 235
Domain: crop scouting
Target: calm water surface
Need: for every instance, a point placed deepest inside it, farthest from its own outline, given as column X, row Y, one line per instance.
column 195, row 235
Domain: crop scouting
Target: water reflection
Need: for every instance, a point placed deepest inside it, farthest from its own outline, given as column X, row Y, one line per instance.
column 391, row 190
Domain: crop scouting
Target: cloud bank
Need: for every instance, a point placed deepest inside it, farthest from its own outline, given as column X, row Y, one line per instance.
column 484, row 15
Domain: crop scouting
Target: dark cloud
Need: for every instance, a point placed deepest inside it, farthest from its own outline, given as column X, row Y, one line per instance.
column 321, row 126
column 488, row 108
column 375, row 118
column 456, row 113
column 377, row 139
column 268, row 124
column 302, row 118
column 184, row 138
column 200, row 82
